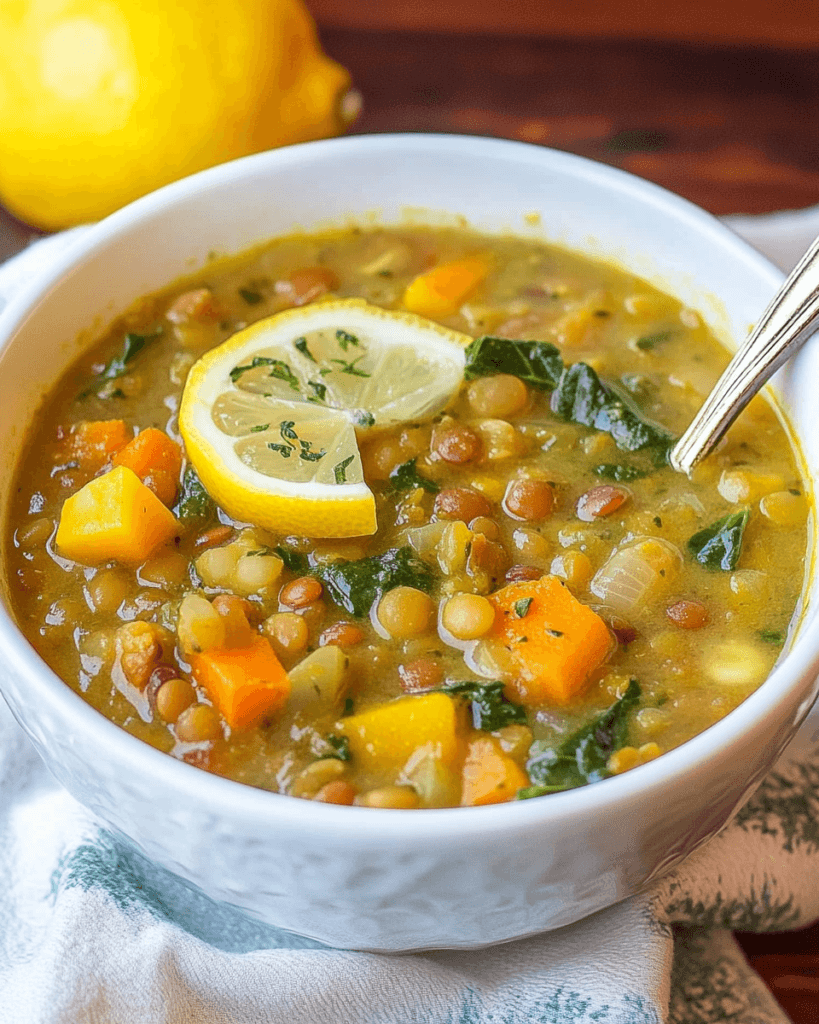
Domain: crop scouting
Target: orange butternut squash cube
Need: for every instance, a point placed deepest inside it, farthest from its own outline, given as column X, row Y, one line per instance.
column 442, row 291
column 115, row 517
column 489, row 776
column 93, row 442
column 247, row 684
column 555, row 641
column 156, row 460
column 384, row 739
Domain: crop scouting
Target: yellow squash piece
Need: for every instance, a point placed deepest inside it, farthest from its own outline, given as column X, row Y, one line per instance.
column 489, row 775
column 103, row 101
column 440, row 292
column 383, row 740
column 115, row 517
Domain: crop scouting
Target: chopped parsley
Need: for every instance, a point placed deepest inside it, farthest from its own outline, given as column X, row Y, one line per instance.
column 301, row 345
column 522, row 607
column 279, row 369
column 340, row 469
column 251, row 296
column 650, row 341
column 345, row 339
column 259, row 428
column 350, row 367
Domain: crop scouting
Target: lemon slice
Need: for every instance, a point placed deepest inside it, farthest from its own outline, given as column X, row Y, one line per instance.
column 270, row 417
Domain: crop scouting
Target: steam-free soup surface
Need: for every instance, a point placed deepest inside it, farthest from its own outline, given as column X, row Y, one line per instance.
column 544, row 603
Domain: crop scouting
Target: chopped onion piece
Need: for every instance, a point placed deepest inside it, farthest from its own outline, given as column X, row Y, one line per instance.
column 636, row 574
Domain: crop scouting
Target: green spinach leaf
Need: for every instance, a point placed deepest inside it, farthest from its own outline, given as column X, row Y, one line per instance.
column 618, row 471
column 339, row 747
column 295, row 561
column 538, row 363
column 119, row 365
column 194, row 501
column 356, row 586
column 490, row 709
column 719, row 545
column 406, row 478
column 582, row 757
column 581, row 397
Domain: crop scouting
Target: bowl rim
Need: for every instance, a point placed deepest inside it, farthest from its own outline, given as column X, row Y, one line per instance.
column 228, row 799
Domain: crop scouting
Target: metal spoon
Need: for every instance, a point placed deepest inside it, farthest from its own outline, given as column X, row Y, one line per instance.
column 782, row 330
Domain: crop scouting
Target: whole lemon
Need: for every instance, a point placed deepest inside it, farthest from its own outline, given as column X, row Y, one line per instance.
column 101, row 101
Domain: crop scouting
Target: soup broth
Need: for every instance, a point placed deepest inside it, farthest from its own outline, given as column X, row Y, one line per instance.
column 544, row 602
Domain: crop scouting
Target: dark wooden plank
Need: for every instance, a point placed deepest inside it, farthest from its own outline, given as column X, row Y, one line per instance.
column 736, row 131
column 733, row 22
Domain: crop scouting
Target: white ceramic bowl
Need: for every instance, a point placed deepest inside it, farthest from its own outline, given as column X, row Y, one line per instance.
column 397, row 880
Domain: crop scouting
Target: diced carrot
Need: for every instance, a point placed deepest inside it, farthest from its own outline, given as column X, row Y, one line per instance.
column 114, row 517
column 91, row 443
column 440, row 292
column 156, row 460
column 384, row 739
column 555, row 641
column 247, row 684
column 489, row 776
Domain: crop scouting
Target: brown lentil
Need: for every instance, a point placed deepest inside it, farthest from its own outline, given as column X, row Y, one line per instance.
column 601, row 501
column 688, row 614
column 337, row 792
column 301, row 592
column 458, row 444
column 461, row 503
column 520, row 573
column 421, row 673
column 342, row 634
column 529, row 500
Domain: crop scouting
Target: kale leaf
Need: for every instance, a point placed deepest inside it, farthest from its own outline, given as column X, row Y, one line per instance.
column 582, row 757
column 582, row 397
column 406, row 478
column 719, row 545
column 356, row 586
column 538, row 363
column 490, row 709
column 194, row 501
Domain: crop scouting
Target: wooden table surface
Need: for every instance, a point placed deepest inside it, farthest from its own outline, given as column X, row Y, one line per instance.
column 735, row 129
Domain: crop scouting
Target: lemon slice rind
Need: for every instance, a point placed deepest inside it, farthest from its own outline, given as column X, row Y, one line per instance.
column 269, row 417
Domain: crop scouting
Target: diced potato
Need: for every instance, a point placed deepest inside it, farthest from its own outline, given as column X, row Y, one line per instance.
column 319, row 678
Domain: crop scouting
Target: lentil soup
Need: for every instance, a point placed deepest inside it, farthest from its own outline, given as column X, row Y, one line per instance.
column 544, row 602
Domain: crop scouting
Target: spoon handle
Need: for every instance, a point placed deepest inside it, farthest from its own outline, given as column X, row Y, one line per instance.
column 782, row 329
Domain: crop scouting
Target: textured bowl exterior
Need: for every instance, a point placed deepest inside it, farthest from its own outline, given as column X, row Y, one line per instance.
column 393, row 880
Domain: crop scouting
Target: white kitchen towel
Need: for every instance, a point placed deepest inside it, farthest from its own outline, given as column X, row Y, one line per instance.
column 93, row 933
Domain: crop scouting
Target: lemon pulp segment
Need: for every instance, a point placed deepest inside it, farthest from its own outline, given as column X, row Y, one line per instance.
column 270, row 417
